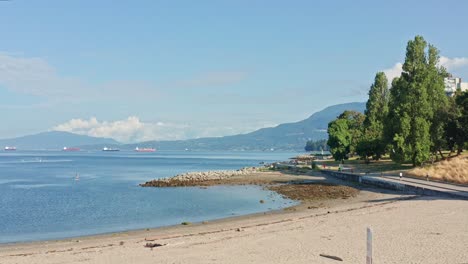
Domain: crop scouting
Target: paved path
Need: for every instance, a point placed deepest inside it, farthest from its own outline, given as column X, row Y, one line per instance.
column 453, row 189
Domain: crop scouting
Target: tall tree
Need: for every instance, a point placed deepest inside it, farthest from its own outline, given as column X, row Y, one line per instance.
column 410, row 106
column 438, row 101
column 372, row 143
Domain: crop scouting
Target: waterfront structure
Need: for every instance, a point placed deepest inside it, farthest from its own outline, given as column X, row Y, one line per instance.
column 452, row 84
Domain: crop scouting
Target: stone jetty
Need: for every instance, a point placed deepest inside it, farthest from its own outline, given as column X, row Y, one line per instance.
column 198, row 178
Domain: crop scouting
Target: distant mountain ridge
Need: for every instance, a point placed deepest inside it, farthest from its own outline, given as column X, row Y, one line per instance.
column 54, row 140
column 288, row 136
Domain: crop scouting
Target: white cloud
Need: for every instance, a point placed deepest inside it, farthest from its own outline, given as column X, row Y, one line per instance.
column 448, row 63
column 133, row 129
column 453, row 63
column 393, row 72
column 127, row 130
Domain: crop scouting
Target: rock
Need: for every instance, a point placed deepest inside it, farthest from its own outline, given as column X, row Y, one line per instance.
column 190, row 178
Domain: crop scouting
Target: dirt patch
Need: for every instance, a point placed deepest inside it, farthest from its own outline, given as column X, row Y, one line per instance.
column 314, row 191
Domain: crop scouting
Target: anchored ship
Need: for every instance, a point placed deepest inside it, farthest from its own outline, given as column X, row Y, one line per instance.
column 7, row 148
column 110, row 149
column 70, row 149
column 137, row 149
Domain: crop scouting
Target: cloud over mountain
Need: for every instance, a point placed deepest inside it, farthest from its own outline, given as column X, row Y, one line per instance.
column 133, row 129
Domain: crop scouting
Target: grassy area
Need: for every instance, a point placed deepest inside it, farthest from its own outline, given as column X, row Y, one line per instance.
column 452, row 170
column 359, row 166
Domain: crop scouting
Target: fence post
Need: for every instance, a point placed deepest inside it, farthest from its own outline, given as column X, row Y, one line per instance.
column 369, row 246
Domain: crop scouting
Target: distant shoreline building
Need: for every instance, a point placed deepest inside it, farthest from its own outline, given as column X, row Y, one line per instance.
column 452, row 84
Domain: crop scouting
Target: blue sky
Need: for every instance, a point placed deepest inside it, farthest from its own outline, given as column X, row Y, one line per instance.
column 139, row 70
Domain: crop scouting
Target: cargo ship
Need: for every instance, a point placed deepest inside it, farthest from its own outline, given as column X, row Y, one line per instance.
column 110, row 149
column 137, row 149
column 7, row 148
column 70, row 149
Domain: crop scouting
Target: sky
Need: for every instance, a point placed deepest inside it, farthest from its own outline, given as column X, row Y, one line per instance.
column 165, row 70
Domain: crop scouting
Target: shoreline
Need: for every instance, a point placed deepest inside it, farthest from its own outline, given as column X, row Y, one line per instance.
column 297, row 234
column 133, row 232
column 265, row 183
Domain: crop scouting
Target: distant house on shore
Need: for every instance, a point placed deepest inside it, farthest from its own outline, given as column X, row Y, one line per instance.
column 452, row 84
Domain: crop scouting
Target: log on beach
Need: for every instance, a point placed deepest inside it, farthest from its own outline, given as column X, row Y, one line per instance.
column 331, row 257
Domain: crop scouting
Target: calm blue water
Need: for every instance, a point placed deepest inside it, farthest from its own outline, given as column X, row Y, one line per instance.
column 40, row 198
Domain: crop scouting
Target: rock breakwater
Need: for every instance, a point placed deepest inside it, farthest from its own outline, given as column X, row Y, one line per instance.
column 199, row 178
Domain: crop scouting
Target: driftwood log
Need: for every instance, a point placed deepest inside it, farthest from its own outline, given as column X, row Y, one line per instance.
column 331, row 257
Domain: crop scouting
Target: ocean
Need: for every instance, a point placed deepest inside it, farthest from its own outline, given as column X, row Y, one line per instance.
column 41, row 197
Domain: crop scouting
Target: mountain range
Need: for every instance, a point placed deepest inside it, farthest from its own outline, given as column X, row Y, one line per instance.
column 54, row 140
column 288, row 136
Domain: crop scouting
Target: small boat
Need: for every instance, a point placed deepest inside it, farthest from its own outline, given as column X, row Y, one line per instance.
column 110, row 149
column 7, row 148
column 77, row 177
column 137, row 149
column 70, row 149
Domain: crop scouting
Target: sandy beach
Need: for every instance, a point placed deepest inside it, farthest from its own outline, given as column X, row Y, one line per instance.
column 406, row 229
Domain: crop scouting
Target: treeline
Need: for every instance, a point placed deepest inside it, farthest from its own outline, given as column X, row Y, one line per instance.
column 413, row 121
column 318, row 145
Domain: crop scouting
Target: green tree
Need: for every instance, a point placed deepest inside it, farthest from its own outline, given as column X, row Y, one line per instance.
column 453, row 130
column 462, row 102
column 460, row 131
column 410, row 112
column 344, row 133
column 367, row 148
column 339, row 138
column 438, row 100
column 372, row 143
column 355, row 122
